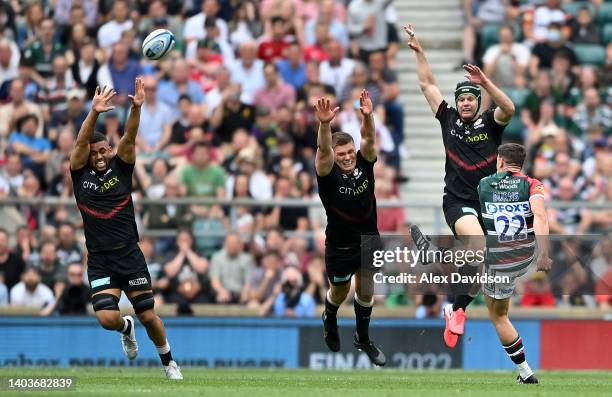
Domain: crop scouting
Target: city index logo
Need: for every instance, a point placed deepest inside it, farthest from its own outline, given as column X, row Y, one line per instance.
column 483, row 136
column 110, row 183
column 349, row 191
column 519, row 208
column 103, row 187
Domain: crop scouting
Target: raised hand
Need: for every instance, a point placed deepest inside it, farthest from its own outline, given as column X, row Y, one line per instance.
column 101, row 100
column 413, row 42
column 365, row 103
column 139, row 92
column 475, row 75
column 324, row 111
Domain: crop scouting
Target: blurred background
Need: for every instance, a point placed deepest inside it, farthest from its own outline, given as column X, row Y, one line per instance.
column 224, row 188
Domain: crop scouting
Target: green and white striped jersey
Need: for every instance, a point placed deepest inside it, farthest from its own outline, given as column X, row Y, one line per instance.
column 508, row 219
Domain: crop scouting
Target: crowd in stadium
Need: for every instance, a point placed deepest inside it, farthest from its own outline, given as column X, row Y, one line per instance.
column 229, row 115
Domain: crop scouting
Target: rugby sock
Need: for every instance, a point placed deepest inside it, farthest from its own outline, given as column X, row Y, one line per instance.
column 331, row 309
column 516, row 352
column 164, row 353
column 462, row 302
column 363, row 311
column 127, row 327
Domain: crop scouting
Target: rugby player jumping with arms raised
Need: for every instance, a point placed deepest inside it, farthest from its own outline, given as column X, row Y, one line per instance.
column 470, row 141
column 102, row 182
column 346, row 187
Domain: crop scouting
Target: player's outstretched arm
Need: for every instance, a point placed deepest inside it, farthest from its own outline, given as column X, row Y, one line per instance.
column 99, row 104
column 127, row 145
column 540, row 226
column 427, row 81
column 324, row 160
column 368, row 130
column 505, row 108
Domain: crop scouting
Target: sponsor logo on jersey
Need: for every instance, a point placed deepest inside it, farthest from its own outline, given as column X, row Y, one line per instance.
column 357, row 173
column 349, row 191
column 483, row 136
column 138, row 281
column 511, row 208
column 539, row 189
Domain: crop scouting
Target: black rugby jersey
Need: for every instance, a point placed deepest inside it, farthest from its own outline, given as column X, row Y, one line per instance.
column 350, row 203
column 471, row 150
column 105, row 202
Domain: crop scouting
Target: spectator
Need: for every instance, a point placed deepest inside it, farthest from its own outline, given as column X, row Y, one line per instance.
column 232, row 114
column 9, row 62
column 87, row 70
column 48, row 264
column 276, row 92
column 219, row 49
column 155, row 120
column 584, row 29
column 245, row 24
column 543, row 52
column 248, row 71
column 30, row 292
column 222, row 82
column 34, row 151
column 152, row 185
column 230, row 269
column 260, row 186
column 317, row 51
column 54, row 95
column 592, row 111
column 73, row 116
column 64, row 143
column 317, row 284
column 327, row 18
column 18, row 107
column 122, row 70
column 188, row 273
column 75, row 295
column 11, row 264
column 388, row 85
column 389, row 219
column 537, row 291
column 68, row 250
column 290, row 299
column 476, row 15
column 187, row 130
column 110, row 33
column 194, row 26
column 337, row 69
column 169, row 91
column 367, row 24
column 274, row 48
column 11, row 174
column 159, row 282
column 565, row 221
column 288, row 218
column 202, row 178
column 545, row 15
column 293, row 70
column 43, row 50
column 169, row 216
column 506, row 63
column 264, row 278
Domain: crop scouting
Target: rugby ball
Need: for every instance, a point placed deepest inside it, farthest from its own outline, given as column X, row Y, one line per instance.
column 157, row 44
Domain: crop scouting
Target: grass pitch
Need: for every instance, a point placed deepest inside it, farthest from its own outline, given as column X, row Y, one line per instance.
column 297, row 383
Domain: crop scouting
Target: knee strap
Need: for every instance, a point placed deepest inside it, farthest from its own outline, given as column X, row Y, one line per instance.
column 105, row 302
column 142, row 302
